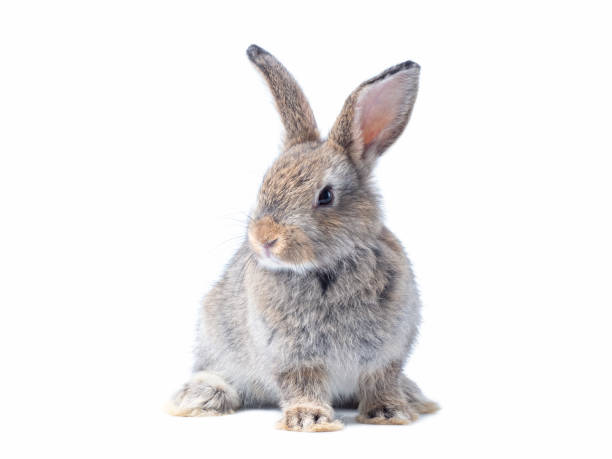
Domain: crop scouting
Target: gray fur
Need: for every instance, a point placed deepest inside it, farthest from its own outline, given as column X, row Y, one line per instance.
column 331, row 315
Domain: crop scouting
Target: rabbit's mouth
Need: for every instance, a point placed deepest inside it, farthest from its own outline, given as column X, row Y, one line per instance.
column 280, row 247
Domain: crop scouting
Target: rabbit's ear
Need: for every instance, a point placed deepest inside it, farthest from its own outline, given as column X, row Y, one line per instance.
column 376, row 113
column 293, row 107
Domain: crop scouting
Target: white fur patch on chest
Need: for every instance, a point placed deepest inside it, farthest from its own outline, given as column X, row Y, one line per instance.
column 343, row 377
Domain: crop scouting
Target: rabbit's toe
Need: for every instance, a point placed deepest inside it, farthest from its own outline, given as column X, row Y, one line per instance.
column 309, row 417
column 206, row 394
column 384, row 414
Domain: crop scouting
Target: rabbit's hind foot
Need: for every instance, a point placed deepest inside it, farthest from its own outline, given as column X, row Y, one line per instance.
column 417, row 401
column 206, row 394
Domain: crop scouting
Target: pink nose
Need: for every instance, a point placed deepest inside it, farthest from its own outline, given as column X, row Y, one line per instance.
column 268, row 244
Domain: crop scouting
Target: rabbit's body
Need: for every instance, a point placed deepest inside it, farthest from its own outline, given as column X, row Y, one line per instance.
column 256, row 322
column 319, row 305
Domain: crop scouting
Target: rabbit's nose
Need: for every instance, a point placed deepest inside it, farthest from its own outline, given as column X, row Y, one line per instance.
column 269, row 244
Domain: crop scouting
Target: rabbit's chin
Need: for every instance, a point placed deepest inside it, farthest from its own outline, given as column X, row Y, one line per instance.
column 274, row 264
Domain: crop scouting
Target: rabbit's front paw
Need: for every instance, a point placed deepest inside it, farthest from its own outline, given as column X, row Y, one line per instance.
column 206, row 394
column 387, row 414
column 309, row 417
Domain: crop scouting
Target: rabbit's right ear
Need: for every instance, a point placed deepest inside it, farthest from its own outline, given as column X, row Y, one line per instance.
column 293, row 107
column 375, row 114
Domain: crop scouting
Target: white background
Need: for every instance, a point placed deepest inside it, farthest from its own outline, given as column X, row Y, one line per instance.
column 133, row 136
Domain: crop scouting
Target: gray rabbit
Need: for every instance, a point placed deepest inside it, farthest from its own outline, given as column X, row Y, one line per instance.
column 319, row 307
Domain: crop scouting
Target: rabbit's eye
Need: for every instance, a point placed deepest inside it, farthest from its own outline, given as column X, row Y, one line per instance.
column 326, row 197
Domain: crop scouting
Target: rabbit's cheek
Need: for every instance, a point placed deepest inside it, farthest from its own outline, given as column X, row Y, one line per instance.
column 295, row 247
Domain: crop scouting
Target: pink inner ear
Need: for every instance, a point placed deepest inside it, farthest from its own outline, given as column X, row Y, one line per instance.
column 380, row 107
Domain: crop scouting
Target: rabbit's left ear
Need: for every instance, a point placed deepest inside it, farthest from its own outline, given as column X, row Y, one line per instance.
column 376, row 113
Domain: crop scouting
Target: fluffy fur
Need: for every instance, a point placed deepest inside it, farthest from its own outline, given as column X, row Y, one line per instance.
column 319, row 307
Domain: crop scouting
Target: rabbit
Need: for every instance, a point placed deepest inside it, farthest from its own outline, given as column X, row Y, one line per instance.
column 319, row 307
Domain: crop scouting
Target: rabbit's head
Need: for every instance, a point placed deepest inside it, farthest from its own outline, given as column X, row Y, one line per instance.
column 316, row 205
